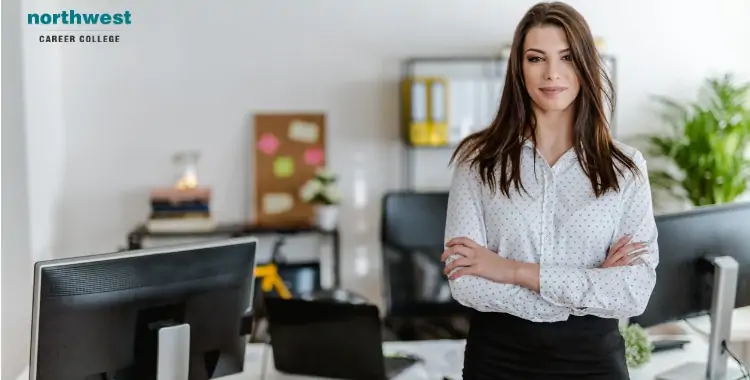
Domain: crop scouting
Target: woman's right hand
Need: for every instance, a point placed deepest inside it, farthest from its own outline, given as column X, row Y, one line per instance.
column 623, row 253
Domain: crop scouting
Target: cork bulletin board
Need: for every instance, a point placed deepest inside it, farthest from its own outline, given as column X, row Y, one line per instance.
column 289, row 148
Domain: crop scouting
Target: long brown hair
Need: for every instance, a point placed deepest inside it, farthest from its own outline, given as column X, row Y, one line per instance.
column 500, row 144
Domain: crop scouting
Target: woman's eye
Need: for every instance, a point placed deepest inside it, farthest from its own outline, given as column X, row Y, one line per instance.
column 534, row 59
column 567, row 58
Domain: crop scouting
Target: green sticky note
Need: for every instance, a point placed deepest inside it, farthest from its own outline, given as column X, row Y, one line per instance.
column 283, row 167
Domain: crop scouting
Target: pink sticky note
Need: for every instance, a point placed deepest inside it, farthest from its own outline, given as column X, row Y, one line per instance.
column 268, row 143
column 314, row 156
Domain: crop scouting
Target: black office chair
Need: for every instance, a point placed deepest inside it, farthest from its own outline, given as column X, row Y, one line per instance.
column 416, row 293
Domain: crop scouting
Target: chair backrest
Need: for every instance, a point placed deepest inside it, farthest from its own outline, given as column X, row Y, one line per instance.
column 414, row 220
column 412, row 234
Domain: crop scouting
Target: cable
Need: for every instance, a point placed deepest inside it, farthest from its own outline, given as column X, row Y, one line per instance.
column 743, row 368
column 696, row 329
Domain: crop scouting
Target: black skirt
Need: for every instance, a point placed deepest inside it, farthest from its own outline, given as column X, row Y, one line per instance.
column 503, row 347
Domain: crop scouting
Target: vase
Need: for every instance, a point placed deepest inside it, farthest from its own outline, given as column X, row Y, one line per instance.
column 327, row 217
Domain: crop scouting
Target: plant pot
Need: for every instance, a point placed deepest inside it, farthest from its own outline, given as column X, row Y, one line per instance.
column 327, row 217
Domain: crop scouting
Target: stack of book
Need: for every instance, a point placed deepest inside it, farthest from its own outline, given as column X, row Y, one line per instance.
column 177, row 210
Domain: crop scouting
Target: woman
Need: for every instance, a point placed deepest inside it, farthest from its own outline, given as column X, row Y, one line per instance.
column 550, row 234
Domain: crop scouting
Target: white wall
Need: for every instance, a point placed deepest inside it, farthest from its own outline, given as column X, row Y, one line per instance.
column 45, row 133
column 189, row 75
column 16, row 261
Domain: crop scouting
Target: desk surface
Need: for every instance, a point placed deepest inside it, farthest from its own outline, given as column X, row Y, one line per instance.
column 740, row 324
column 445, row 358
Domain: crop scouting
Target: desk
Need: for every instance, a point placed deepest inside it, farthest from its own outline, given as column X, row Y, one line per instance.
column 739, row 340
column 445, row 358
column 695, row 351
column 442, row 358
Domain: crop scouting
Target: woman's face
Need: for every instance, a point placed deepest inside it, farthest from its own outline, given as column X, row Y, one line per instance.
column 548, row 72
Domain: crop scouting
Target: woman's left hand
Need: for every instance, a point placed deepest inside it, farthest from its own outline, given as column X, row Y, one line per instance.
column 476, row 260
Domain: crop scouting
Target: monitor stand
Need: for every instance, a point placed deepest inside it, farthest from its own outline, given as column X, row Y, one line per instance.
column 173, row 359
column 723, row 296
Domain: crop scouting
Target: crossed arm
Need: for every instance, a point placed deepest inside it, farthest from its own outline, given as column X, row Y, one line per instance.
column 618, row 292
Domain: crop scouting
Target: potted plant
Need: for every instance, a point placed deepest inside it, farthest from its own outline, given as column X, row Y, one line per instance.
column 637, row 346
column 322, row 192
column 708, row 144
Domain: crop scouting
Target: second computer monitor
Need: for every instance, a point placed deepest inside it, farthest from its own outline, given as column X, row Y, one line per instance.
column 684, row 277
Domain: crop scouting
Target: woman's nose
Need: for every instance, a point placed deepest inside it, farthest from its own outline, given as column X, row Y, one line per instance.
column 552, row 70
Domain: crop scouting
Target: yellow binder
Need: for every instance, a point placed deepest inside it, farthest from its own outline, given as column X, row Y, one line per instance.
column 415, row 100
column 438, row 104
column 426, row 104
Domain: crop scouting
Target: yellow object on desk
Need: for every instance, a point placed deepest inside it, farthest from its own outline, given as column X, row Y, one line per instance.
column 270, row 280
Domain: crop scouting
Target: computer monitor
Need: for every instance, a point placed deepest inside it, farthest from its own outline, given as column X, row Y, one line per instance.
column 176, row 311
column 684, row 276
column 704, row 267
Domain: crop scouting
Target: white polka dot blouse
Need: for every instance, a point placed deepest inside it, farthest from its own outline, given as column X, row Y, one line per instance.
column 564, row 227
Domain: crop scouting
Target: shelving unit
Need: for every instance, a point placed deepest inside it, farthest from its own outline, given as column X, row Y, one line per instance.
column 443, row 66
column 456, row 67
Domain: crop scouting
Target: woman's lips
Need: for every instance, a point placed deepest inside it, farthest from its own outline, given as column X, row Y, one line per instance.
column 552, row 91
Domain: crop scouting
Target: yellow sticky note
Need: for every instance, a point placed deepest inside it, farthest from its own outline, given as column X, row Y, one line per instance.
column 277, row 203
column 304, row 131
column 283, row 167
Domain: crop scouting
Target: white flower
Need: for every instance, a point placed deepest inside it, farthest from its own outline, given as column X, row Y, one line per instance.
column 321, row 189
column 310, row 190
column 331, row 194
column 324, row 174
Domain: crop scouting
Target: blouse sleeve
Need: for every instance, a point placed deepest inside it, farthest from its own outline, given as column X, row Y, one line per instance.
column 620, row 292
column 465, row 218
